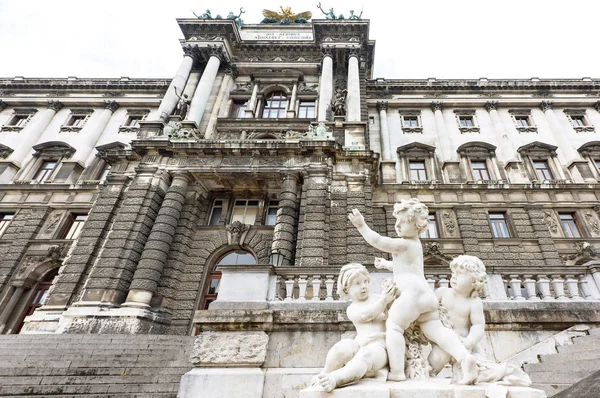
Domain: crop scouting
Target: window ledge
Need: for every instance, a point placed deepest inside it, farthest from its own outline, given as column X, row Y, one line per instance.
column 584, row 129
column 529, row 129
column 412, row 130
column 12, row 128
column 71, row 128
column 129, row 129
column 512, row 241
column 469, row 129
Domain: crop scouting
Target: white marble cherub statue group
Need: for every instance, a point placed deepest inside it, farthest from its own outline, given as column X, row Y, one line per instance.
column 451, row 319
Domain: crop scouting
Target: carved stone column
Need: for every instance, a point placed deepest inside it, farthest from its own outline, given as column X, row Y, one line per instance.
column 205, row 85
column 249, row 112
column 226, row 84
column 446, row 149
column 353, row 96
column 154, row 257
column 565, row 149
column 31, row 133
column 384, row 130
column 93, row 133
column 291, row 113
column 285, row 224
column 507, row 149
column 326, row 84
column 177, row 85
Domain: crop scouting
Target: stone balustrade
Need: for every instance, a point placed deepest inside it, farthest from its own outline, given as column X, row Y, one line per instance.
column 547, row 287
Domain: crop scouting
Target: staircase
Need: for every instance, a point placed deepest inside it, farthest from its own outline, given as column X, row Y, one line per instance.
column 87, row 365
column 573, row 363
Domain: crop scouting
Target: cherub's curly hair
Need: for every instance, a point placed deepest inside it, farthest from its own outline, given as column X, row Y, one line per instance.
column 475, row 267
column 347, row 273
column 417, row 212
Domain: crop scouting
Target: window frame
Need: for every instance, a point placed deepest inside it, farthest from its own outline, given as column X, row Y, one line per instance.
column 214, row 206
column 73, row 226
column 76, row 114
column 415, row 115
column 233, row 217
column 418, row 171
column 273, row 204
column 22, row 114
column 302, row 102
column 138, row 114
column 475, row 171
column 536, row 169
column 574, row 225
column 48, row 174
column 466, row 114
column 432, row 221
column 268, row 101
column 505, row 219
column 238, row 108
column 5, row 222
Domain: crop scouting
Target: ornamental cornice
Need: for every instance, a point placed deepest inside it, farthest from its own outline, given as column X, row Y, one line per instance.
column 157, row 86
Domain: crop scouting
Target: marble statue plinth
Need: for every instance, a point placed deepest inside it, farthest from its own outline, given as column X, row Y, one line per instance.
column 432, row 388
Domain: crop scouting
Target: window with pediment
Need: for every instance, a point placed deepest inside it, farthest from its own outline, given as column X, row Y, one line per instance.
column 19, row 119
column 591, row 152
column 46, row 165
column 479, row 163
column 76, row 120
column 418, row 163
column 541, row 162
column 522, row 120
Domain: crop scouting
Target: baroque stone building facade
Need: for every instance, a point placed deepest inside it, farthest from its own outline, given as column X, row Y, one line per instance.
column 131, row 205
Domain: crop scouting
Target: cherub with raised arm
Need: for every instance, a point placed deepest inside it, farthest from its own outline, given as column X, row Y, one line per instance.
column 463, row 307
column 417, row 302
column 350, row 360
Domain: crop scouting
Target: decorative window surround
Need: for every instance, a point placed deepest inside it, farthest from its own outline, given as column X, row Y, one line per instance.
column 408, row 121
column 591, row 152
column 53, row 151
column 539, row 151
column 76, row 120
column 417, row 151
column 478, row 151
column 19, row 119
column 570, row 226
column 520, row 114
column 467, row 122
column 131, row 123
column 579, row 120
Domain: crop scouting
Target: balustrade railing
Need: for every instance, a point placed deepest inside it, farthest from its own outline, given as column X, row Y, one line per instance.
column 543, row 287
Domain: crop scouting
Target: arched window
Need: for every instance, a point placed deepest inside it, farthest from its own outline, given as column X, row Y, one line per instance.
column 275, row 105
column 37, row 299
column 238, row 257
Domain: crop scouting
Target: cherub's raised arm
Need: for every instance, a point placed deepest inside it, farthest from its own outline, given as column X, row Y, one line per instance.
column 379, row 242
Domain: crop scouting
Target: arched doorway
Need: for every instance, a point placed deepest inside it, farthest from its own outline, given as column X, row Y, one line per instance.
column 36, row 299
column 211, row 290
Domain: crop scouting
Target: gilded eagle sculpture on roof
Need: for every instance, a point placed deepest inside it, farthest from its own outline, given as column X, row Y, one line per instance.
column 286, row 13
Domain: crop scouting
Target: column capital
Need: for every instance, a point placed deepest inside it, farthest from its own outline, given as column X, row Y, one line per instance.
column 111, row 105
column 353, row 52
column 596, row 106
column 382, row 106
column 437, row 106
column 182, row 175
column 189, row 51
column 232, row 71
column 327, row 51
column 54, row 105
column 491, row 106
column 217, row 52
column 546, row 106
column 2, row 105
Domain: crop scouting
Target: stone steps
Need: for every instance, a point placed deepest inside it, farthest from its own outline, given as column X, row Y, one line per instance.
column 573, row 363
column 104, row 366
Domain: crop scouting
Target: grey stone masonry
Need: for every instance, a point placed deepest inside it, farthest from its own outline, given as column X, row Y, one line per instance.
column 78, row 266
column 547, row 248
column 313, row 251
column 154, row 257
column 19, row 232
column 338, row 226
column 359, row 197
column 287, row 215
column 467, row 230
column 112, row 273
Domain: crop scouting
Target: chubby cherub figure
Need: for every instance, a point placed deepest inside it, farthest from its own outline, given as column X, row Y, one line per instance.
column 417, row 302
column 463, row 307
column 350, row 360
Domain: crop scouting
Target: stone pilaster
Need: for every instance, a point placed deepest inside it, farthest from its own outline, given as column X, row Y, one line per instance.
column 112, row 273
column 177, row 86
column 386, row 143
column 565, row 148
column 77, row 267
column 468, row 232
column 154, row 257
column 353, row 96
column 205, row 85
column 285, row 225
column 507, row 149
column 447, row 150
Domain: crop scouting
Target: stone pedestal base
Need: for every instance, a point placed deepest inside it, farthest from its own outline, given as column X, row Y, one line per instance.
column 434, row 388
column 222, row 383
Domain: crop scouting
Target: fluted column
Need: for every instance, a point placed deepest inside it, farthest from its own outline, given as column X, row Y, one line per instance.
column 32, row 132
column 446, row 148
column 565, row 148
column 154, row 257
column 507, row 149
column 225, row 88
column 291, row 113
column 384, row 130
column 207, row 81
column 353, row 96
column 326, row 86
column 177, row 85
column 94, row 132
column 285, row 224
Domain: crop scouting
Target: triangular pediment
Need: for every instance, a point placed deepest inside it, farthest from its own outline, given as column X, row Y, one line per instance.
column 476, row 149
column 538, row 148
column 416, row 149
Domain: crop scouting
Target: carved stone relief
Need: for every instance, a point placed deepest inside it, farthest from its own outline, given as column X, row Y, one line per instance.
column 592, row 222
column 449, row 224
column 236, row 233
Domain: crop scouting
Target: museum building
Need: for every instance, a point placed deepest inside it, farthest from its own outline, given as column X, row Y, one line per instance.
column 217, row 200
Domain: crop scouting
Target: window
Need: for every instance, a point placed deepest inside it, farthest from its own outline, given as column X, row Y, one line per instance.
column 45, row 171
column 73, row 227
column 245, row 211
column 480, row 171
column 410, row 121
column 432, row 228
column 132, row 120
column 522, row 121
column 597, row 161
column 215, row 214
column 275, row 105
column 466, row 121
column 499, row 225
column 417, row 171
column 542, row 170
column 578, row 121
column 211, row 292
column 271, row 217
column 75, row 121
column 5, row 219
column 306, row 110
column 18, row 120
column 238, row 109
column 569, row 224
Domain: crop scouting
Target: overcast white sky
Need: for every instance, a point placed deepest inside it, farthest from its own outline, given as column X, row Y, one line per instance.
column 415, row 39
